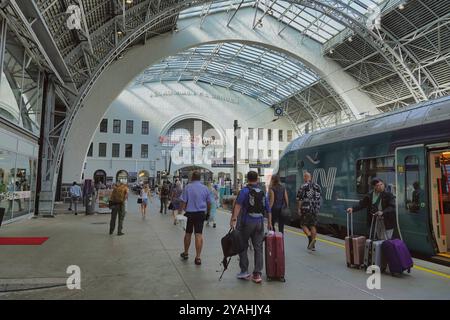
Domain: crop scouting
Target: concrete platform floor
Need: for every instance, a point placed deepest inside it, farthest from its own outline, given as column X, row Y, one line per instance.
column 145, row 264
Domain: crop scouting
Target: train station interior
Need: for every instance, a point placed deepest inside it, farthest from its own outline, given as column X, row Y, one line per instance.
column 337, row 96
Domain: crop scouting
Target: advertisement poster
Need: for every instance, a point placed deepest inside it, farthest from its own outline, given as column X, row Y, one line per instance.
column 103, row 200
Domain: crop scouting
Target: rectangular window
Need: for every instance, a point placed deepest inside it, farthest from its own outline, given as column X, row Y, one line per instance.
column 90, row 151
column 116, row 126
column 280, row 152
column 381, row 167
column 102, row 149
column 116, row 150
column 269, row 153
column 104, row 125
column 260, row 154
column 413, row 197
column 289, row 135
column 144, row 151
column 260, row 133
column 128, row 151
column 250, row 154
column 280, row 135
column 250, row 133
column 269, row 134
column 144, row 127
column 129, row 127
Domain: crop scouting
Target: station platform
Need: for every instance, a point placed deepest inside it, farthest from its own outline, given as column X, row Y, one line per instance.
column 145, row 264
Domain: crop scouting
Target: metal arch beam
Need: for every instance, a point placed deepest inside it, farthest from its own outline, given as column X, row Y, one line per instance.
column 50, row 176
column 355, row 21
column 38, row 29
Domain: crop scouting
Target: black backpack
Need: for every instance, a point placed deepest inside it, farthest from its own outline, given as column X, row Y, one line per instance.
column 256, row 200
column 232, row 245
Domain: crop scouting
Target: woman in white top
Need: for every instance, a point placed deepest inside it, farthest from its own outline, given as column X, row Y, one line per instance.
column 145, row 196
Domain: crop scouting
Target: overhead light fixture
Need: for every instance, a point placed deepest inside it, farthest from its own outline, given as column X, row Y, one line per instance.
column 119, row 33
column 350, row 39
column 331, row 51
column 401, row 6
column 129, row 1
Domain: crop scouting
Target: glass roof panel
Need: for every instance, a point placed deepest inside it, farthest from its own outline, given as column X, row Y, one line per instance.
column 308, row 21
column 253, row 70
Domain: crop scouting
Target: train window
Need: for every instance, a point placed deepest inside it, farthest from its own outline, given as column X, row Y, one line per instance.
column 413, row 189
column 381, row 167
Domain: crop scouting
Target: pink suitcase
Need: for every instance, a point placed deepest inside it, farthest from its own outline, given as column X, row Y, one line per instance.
column 275, row 264
column 354, row 246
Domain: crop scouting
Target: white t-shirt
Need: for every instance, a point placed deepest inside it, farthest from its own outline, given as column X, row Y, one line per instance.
column 144, row 195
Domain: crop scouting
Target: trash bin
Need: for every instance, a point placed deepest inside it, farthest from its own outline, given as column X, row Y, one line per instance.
column 90, row 204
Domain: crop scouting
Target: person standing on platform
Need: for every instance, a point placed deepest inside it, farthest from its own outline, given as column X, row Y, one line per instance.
column 308, row 197
column 164, row 197
column 379, row 202
column 118, row 199
column 176, row 201
column 214, row 197
column 278, row 200
column 75, row 196
column 197, row 204
column 254, row 204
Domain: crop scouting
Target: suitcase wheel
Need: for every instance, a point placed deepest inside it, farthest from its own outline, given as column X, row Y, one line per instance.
column 282, row 279
column 348, row 265
column 409, row 270
column 269, row 279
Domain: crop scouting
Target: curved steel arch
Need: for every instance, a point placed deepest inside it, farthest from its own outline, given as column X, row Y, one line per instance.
column 335, row 9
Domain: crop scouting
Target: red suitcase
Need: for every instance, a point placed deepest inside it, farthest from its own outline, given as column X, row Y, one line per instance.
column 275, row 264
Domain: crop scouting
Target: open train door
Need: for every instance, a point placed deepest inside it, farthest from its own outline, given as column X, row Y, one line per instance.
column 413, row 220
column 439, row 177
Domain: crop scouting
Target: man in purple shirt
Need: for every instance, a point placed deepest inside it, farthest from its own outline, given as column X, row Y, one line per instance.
column 196, row 202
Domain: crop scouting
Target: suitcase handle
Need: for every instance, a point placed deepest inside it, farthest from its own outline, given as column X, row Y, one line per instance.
column 372, row 228
column 349, row 224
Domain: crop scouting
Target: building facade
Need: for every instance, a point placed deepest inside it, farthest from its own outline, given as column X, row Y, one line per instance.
column 193, row 128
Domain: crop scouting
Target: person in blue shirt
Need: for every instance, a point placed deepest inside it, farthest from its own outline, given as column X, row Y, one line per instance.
column 196, row 201
column 252, row 203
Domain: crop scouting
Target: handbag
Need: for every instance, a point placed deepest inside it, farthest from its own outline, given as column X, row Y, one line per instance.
column 171, row 206
column 139, row 200
column 285, row 213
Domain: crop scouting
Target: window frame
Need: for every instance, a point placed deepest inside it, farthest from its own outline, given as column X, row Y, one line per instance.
column 117, row 124
column 100, row 144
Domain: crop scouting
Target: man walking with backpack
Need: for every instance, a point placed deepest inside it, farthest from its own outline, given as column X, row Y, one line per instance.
column 252, row 203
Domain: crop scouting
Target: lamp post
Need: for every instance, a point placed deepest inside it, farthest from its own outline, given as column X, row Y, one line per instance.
column 235, row 157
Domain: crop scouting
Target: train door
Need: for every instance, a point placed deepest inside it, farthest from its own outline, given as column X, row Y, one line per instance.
column 412, row 199
column 439, row 175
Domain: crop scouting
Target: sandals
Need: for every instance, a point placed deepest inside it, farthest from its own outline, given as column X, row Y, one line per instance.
column 198, row 261
column 184, row 256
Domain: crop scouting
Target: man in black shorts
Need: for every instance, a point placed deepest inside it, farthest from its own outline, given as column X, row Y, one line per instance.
column 197, row 203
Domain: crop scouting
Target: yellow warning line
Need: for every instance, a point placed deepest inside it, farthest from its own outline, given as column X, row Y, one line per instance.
column 318, row 239
column 437, row 273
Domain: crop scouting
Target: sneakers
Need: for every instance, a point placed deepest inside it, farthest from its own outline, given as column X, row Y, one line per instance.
column 311, row 244
column 120, row 234
column 214, row 225
column 244, row 275
column 256, row 278
column 184, row 256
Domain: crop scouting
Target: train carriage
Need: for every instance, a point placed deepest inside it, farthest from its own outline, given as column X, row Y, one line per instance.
column 408, row 149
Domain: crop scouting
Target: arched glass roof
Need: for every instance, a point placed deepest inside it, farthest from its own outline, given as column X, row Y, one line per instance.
column 266, row 75
column 309, row 22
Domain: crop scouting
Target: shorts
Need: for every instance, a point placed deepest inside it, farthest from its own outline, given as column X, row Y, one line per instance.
column 308, row 220
column 195, row 222
column 145, row 201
